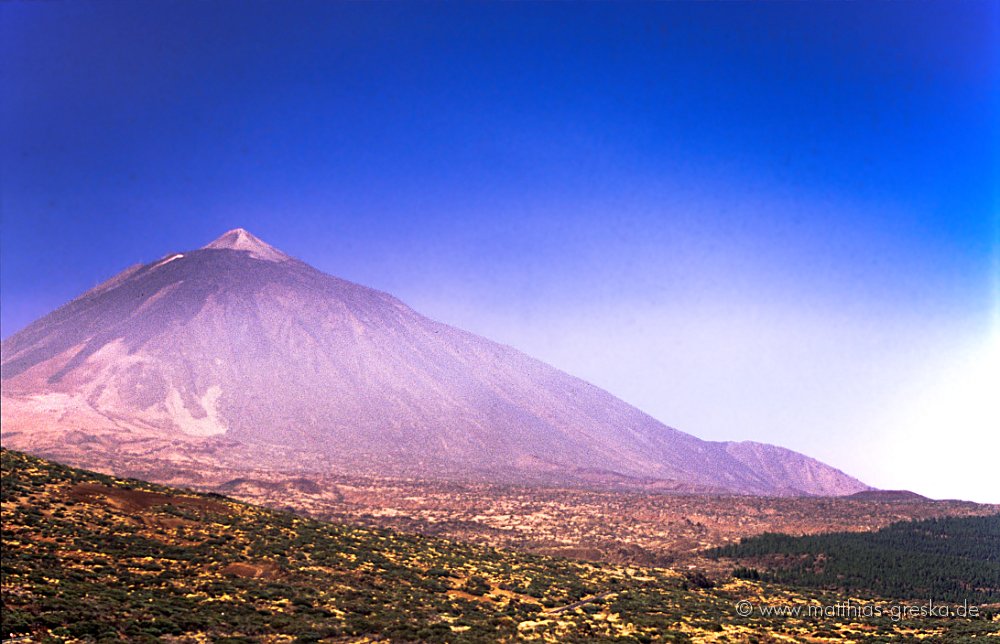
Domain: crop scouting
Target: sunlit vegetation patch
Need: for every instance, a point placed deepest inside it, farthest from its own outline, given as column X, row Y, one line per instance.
column 88, row 557
column 951, row 559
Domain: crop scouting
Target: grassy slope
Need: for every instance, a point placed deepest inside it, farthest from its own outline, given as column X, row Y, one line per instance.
column 96, row 558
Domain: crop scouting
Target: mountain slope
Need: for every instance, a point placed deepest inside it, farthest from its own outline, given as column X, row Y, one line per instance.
column 237, row 354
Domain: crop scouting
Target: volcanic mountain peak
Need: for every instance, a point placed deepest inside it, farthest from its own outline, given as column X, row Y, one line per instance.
column 240, row 356
column 243, row 240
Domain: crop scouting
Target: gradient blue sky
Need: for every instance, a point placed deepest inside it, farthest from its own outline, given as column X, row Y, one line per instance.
column 772, row 221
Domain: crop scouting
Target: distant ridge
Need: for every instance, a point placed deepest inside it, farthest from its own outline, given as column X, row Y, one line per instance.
column 888, row 495
column 238, row 356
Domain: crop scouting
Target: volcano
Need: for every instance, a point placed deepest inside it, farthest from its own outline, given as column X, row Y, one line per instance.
column 238, row 355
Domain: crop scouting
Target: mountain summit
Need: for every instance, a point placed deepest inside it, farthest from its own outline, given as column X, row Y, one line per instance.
column 239, row 356
column 242, row 240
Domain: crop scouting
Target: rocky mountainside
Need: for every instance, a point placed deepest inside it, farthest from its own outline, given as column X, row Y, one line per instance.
column 239, row 356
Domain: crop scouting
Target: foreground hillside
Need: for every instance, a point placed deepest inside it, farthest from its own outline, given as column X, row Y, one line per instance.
column 93, row 558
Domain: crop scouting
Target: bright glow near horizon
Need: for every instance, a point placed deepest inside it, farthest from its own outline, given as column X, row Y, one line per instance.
column 943, row 436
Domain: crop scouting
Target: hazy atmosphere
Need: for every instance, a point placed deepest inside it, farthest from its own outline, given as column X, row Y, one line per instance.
column 773, row 222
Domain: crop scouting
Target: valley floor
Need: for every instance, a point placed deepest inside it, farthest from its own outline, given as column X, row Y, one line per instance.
column 617, row 526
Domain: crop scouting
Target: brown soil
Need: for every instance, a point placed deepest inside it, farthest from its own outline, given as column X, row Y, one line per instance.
column 470, row 597
column 263, row 570
column 132, row 500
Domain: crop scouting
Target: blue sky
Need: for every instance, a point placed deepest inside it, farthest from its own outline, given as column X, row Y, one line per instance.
column 771, row 221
